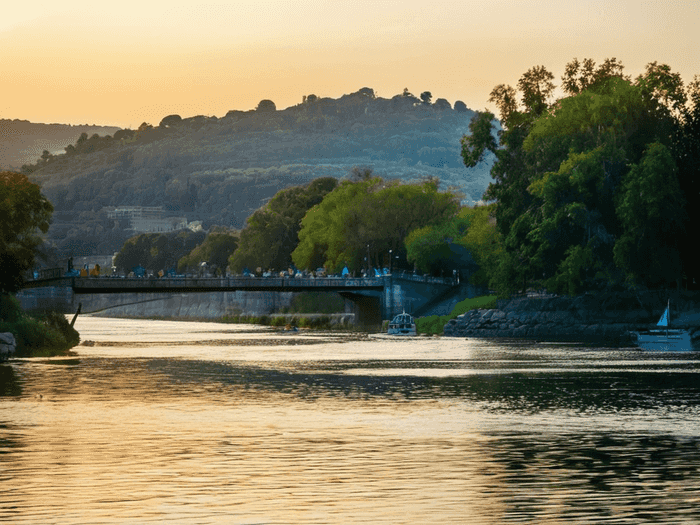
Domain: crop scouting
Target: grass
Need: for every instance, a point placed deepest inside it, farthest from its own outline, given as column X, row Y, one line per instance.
column 435, row 324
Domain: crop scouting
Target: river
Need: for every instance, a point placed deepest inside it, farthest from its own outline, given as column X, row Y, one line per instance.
column 184, row 422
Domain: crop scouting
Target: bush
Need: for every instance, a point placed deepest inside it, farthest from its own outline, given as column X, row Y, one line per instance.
column 435, row 324
column 43, row 334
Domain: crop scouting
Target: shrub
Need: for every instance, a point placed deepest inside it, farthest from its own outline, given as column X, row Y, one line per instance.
column 42, row 334
column 435, row 324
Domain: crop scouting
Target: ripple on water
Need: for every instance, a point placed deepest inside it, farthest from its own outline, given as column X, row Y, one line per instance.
column 345, row 431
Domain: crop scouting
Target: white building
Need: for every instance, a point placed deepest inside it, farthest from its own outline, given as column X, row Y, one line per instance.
column 147, row 219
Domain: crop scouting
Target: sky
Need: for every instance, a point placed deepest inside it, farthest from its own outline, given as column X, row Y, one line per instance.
column 127, row 62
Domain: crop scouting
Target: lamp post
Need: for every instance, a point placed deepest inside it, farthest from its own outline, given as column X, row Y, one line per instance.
column 390, row 261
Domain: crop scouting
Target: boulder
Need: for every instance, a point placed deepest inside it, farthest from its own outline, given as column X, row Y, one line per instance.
column 7, row 345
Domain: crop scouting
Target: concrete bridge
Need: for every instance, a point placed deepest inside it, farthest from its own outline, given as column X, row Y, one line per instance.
column 374, row 299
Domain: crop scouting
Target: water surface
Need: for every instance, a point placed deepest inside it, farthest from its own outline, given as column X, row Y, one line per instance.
column 177, row 422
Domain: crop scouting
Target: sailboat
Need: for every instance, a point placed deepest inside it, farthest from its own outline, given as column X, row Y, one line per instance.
column 663, row 337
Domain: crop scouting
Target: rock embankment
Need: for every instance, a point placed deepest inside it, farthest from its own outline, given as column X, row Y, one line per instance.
column 599, row 319
column 7, row 345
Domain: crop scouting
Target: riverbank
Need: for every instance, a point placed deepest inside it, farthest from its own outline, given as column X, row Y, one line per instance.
column 36, row 334
column 604, row 318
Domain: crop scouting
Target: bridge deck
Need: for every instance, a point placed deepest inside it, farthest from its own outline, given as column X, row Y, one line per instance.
column 86, row 285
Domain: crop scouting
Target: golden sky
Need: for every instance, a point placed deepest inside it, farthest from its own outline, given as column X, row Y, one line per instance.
column 126, row 62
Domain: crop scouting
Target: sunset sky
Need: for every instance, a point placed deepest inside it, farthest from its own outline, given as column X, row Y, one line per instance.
column 123, row 63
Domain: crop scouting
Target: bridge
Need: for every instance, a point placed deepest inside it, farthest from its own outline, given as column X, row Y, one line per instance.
column 374, row 299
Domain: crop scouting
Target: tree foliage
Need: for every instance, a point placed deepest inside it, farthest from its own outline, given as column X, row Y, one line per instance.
column 157, row 251
column 215, row 250
column 271, row 232
column 467, row 242
column 25, row 214
column 266, row 106
column 587, row 189
column 367, row 218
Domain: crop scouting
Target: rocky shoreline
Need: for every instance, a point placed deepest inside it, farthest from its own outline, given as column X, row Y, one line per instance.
column 601, row 319
column 8, row 346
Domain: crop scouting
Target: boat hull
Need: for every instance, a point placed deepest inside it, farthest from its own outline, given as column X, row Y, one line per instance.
column 402, row 331
column 664, row 340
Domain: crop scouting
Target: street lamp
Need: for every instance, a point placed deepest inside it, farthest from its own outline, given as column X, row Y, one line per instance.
column 390, row 261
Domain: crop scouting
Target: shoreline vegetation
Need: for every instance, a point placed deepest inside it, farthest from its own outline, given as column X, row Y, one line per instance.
column 37, row 334
column 435, row 324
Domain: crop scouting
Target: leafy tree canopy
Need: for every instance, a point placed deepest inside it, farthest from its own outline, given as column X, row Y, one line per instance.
column 24, row 215
column 271, row 232
column 467, row 242
column 215, row 250
column 587, row 189
column 367, row 218
column 157, row 251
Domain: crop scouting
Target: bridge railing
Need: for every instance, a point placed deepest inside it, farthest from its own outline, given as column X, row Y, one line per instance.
column 241, row 281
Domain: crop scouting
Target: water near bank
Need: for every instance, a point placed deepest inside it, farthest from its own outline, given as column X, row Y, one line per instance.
column 176, row 422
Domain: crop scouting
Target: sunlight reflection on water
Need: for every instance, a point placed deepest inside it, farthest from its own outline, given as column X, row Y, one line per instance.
column 172, row 422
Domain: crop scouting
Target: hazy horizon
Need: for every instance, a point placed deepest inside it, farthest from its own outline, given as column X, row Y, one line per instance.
column 128, row 63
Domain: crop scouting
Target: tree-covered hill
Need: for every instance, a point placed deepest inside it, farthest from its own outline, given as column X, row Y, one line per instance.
column 220, row 170
column 24, row 142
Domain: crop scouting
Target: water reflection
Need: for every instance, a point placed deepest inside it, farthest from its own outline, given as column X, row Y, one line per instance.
column 9, row 385
column 175, row 430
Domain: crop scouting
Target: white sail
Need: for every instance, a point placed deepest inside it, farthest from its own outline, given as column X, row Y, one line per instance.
column 664, row 321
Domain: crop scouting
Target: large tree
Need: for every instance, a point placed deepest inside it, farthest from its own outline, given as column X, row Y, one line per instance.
column 24, row 215
column 361, row 221
column 271, row 232
column 587, row 185
column 216, row 249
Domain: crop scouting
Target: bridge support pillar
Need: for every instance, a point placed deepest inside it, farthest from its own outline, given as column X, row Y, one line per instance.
column 368, row 309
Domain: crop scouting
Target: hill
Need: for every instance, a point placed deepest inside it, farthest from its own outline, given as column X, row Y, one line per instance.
column 23, row 142
column 220, row 170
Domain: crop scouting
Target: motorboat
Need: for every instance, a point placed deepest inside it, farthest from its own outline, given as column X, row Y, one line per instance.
column 402, row 324
column 664, row 337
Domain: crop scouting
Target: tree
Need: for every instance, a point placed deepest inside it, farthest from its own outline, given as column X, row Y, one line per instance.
column 25, row 214
column 537, row 87
column 651, row 210
column 426, row 97
column 266, row 106
column 216, row 249
column 686, row 152
column 575, row 182
column 169, row 121
column 579, row 76
column 271, row 232
column 460, row 106
column 467, row 242
column 368, row 92
column 157, row 251
column 442, row 104
column 480, row 140
column 505, row 99
column 367, row 218
column 46, row 156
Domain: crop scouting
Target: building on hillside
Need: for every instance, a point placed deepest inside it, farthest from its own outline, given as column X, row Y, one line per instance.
column 146, row 219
